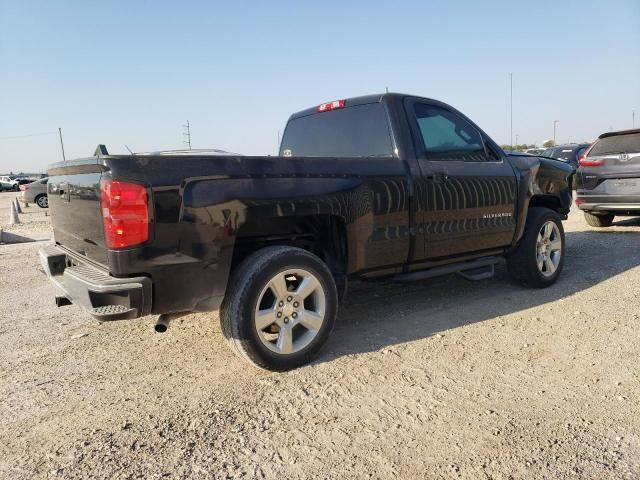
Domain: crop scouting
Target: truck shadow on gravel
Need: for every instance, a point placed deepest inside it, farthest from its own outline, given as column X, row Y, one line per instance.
column 378, row 315
column 627, row 222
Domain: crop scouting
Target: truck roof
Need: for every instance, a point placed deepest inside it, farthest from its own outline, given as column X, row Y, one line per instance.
column 352, row 101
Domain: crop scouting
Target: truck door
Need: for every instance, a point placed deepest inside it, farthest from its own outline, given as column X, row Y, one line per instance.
column 467, row 190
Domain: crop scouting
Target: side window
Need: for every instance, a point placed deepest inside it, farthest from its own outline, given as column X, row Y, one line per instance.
column 448, row 136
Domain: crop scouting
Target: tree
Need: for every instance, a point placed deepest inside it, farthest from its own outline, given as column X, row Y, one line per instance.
column 548, row 144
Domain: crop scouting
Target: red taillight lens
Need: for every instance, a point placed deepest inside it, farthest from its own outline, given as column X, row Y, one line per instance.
column 327, row 107
column 124, row 213
column 580, row 201
column 23, row 188
column 584, row 162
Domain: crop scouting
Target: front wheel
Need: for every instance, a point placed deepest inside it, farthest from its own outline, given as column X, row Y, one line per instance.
column 538, row 259
column 280, row 307
column 600, row 220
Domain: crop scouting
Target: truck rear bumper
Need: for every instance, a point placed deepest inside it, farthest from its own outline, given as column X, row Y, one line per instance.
column 103, row 296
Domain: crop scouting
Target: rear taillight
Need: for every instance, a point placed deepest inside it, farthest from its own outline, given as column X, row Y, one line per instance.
column 23, row 188
column 580, row 201
column 125, row 214
column 585, row 162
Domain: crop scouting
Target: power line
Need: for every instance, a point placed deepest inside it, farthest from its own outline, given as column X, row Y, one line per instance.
column 28, row 135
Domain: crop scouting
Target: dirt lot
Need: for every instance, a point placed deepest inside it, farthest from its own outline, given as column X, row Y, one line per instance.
column 438, row 379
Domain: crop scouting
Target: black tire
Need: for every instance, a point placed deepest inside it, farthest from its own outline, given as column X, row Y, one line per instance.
column 247, row 283
column 599, row 221
column 42, row 200
column 522, row 262
column 16, row 188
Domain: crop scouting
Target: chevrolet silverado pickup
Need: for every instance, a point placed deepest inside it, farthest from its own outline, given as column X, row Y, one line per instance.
column 381, row 186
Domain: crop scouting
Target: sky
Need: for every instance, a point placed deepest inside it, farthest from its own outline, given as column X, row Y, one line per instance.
column 131, row 73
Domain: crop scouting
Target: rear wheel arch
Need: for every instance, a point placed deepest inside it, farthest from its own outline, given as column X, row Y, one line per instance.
column 323, row 235
column 250, row 323
column 41, row 200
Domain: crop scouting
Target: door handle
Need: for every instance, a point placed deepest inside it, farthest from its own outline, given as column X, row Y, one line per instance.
column 438, row 177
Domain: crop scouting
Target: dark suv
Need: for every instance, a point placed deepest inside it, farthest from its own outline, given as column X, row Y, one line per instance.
column 569, row 153
column 609, row 178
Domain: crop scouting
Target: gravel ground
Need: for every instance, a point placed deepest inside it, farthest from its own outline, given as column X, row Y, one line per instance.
column 34, row 223
column 437, row 379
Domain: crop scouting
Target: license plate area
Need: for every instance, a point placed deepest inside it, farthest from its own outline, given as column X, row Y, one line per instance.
column 623, row 186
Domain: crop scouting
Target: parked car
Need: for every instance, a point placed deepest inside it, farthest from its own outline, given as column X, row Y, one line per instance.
column 535, row 151
column 608, row 180
column 36, row 192
column 371, row 187
column 7, row 183
column 569, row 153
column 22, row 180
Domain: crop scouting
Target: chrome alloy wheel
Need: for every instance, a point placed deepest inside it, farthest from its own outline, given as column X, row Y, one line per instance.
column 290, row 311
column 548, row 249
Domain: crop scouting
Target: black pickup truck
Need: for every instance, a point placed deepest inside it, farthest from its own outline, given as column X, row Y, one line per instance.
column 380, row 186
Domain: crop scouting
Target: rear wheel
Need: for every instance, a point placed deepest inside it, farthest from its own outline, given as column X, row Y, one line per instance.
column 539, row 256
column 599, row 220
column 42, row 201
column 280, row 307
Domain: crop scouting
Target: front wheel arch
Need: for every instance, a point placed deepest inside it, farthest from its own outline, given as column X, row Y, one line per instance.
column 522, row 262
column 42, row 200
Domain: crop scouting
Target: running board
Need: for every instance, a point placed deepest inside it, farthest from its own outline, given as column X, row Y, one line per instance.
column 480, row 269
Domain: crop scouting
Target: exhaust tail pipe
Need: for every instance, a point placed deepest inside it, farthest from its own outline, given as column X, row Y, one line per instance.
column 162, row 324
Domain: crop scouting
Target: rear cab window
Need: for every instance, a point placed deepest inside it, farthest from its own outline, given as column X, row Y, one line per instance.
column 356, row 131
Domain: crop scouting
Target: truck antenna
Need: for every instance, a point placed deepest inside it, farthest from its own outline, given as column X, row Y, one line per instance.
column 64, row 159
column 127, row 147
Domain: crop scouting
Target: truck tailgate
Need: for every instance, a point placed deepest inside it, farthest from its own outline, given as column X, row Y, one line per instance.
column 74, row 203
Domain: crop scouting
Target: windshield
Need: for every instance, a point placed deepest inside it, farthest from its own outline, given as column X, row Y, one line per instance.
column 560, row 153
column 358, row 131
column 617, row 144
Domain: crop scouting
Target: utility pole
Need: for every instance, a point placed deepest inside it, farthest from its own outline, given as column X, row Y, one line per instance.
column 555, row 122
column 61, row 144
column 186, row 133
column 511, row 108
column 278, row 144
column 633, row 119
column 517, row 140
